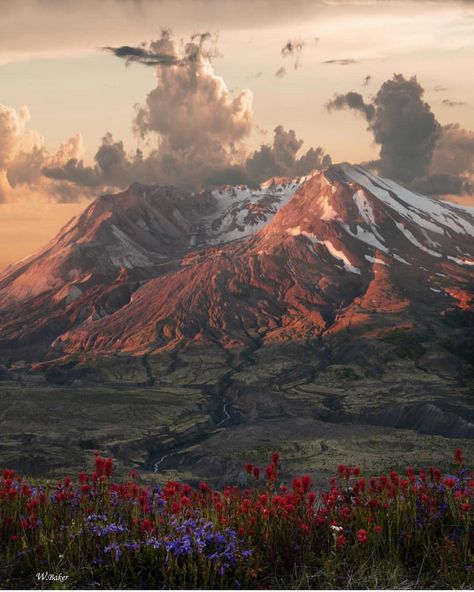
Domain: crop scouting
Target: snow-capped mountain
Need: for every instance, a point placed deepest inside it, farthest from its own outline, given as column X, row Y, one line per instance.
column 138, row 231
column 152, row 269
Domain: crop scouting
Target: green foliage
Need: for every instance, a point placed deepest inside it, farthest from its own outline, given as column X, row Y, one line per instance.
column 407, row 345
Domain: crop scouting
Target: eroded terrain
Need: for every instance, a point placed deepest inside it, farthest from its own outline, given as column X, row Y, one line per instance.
column 202, row 413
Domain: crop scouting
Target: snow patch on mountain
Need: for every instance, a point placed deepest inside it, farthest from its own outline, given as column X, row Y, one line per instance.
column 415, row 241
column 127, row 253
column 433, row 215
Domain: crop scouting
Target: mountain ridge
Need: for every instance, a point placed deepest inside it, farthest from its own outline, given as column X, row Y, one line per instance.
column 154, row 268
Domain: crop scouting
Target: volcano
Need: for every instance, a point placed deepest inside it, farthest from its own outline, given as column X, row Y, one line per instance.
column 155, row 269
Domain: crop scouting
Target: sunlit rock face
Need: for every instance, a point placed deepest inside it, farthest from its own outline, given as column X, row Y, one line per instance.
column 155, row 268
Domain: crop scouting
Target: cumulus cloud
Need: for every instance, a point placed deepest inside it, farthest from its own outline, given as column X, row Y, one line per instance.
column 280, row 159
column 23, row 155
column 199, row 127
column 414, row 147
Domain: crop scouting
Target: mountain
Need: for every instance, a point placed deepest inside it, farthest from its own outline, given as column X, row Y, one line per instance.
column 95, row 263
column 154, row 269
column 329, row 317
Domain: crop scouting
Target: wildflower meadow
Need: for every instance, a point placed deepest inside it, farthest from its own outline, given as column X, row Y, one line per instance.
column 410, row 530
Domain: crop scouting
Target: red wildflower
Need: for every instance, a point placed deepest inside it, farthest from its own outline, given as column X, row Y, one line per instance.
column 378, row 529
column 304, row 527
column 296, row 484
column 256, row 472
column 278, row 500
column 449, row 482
column 249, row 468
column 340, row 540
column 270, row 472
column 275, row 458
column 8, row 474
column 306, row 483
column 458, row 456
column 26, row 490
column 465, row 507
column 362, row 536
column 204, row 487
column 147, row 525
column 346, row 512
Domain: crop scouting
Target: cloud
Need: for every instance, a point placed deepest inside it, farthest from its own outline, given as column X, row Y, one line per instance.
column 343, row 62
column 163, row 51
column 197, row 127
column 281, row 159
column 293, row 48
column 367, row 80
column 440, row 88
column 454, row 152
column 22, row 157
column 414, row 148
column 352, row 100
column 404, row 127
column 281, row 72
column 449, row 103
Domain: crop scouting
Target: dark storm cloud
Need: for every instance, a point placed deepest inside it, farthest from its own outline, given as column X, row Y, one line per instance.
column 452, row 164
column 280, row 159
column 449, row 103
column 402, row 124
column 414, row 147
column 343, row 62
column 442, row 184
column 352, row 100
column 404, row 127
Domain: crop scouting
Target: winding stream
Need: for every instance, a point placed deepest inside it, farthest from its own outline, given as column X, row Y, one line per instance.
column 224, row 414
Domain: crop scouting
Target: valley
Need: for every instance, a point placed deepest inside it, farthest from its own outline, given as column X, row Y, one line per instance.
column 199, row 419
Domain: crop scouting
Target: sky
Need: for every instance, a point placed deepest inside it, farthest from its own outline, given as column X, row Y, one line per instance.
column 90, row 101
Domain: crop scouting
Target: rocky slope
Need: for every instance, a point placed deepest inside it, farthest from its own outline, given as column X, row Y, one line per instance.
column 154, row 269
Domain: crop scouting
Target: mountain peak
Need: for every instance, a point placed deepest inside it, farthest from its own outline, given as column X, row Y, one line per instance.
column 154, row 267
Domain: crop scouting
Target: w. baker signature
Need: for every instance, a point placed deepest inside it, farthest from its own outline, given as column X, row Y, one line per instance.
column 45, row 576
